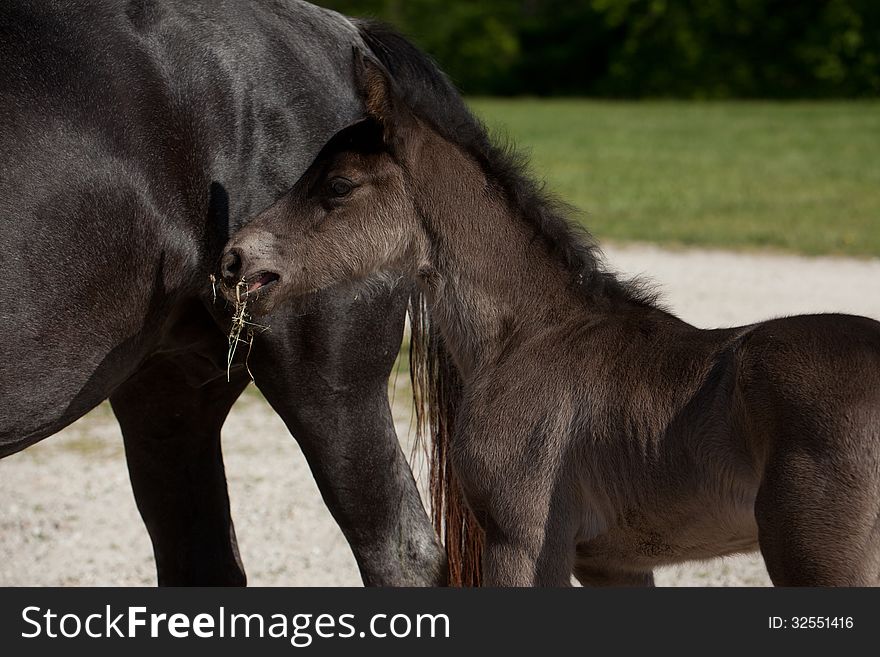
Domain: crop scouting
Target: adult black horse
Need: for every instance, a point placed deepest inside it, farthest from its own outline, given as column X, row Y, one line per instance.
column 135, row 137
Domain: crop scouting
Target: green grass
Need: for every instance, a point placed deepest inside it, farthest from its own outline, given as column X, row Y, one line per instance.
column 801, row 177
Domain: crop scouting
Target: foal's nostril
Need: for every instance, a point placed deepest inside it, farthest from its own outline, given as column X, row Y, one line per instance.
column 230, row 266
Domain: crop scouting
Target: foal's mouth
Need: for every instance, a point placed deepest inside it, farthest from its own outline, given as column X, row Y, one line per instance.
column 260, row 282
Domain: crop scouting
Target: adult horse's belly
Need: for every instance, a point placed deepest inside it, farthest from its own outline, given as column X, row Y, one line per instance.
column 84, row 301
column 132, row 143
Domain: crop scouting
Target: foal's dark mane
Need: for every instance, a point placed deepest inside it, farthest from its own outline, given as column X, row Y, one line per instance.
column 432, row 97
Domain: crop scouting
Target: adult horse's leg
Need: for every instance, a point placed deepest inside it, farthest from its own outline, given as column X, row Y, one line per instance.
column 171, row 431
column 327, row 375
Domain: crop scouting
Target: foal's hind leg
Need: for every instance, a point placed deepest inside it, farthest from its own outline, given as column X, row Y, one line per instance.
column 172, row 444
column 818, row 521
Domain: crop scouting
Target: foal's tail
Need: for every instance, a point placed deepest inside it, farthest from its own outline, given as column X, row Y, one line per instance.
column 436, row 384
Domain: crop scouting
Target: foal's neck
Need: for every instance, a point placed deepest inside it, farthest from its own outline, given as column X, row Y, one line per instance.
column 488, row 278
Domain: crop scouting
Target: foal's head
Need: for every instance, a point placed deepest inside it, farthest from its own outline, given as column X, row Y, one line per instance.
column 349, row 216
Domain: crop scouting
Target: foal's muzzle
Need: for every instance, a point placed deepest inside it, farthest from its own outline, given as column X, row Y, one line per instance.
column 230, row 266
column 242, row 274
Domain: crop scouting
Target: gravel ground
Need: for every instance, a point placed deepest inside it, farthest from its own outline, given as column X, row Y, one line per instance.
column 67, row 515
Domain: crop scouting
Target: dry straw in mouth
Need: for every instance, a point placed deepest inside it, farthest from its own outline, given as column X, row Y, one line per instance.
column 241, row 323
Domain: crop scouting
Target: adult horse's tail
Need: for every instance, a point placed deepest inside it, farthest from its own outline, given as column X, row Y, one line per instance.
column 436, row 390
column 436, row 384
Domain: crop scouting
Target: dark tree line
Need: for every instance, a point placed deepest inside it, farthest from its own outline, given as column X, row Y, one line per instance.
column 638, row 48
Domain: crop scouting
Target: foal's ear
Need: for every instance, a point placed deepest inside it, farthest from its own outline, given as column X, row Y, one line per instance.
column 377, row 90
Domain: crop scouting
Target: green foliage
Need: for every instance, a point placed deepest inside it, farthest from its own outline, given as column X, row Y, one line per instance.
column 637, row 48
column 475, row 42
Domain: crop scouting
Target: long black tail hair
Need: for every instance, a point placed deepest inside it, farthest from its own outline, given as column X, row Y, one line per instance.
column 436, row 382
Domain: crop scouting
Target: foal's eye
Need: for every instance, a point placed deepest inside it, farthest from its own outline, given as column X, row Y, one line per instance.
column 340, row 187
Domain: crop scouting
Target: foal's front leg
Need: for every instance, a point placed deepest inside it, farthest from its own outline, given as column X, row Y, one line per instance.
column 526, row 507
column 520, row 560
